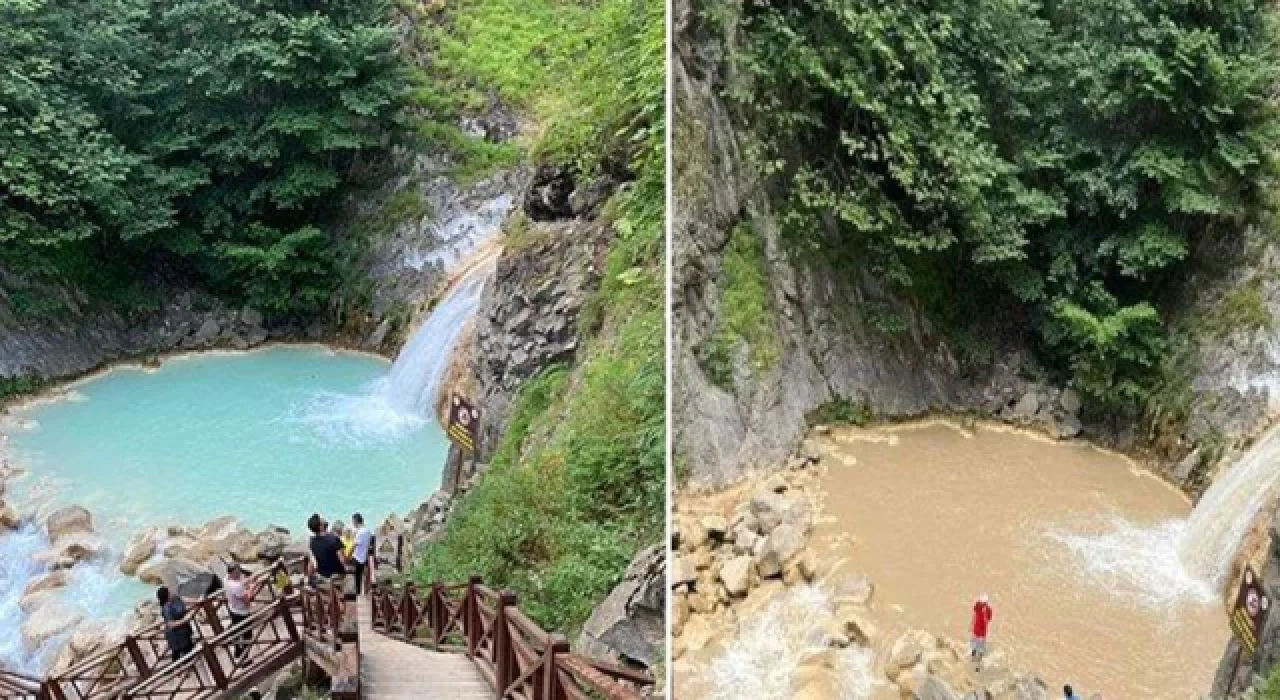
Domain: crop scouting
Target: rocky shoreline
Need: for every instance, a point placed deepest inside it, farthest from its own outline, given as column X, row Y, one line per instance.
column 745, row 548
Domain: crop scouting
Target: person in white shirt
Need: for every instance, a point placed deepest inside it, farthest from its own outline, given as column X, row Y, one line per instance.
column 240, row 595
column 360, row 550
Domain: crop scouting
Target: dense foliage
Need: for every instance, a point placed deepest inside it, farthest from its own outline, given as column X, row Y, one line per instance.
column 203, row 136
column 1059, row 159
column 576, row 486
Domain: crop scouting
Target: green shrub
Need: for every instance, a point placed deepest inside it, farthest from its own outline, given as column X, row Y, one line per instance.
column 840, row 410
column 745, row 310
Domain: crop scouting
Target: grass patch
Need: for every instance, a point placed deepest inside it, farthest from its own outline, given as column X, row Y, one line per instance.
column 401, row 207
column 1242, row 308
column 745, row 312
column 21, row 385
column 840, row 410
column 473, row 158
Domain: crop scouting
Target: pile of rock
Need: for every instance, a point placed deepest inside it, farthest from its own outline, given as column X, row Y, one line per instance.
column 1031, row 405
column 925, row 667
column 720, row 559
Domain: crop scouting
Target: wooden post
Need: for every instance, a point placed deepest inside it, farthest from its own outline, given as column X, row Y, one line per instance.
column 556, row 646
column 211, row 615
column 471, row 616
column 215, row 669
column 407, row 622
column 135, row 653
column 502, row 651
column 285, row 609
column 400, row 553
column 436, row 614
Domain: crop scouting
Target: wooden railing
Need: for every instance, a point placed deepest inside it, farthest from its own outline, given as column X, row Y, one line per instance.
column 516, row 657
column 142, row 667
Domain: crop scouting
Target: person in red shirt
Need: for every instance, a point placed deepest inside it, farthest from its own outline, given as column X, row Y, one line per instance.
column 981, row 621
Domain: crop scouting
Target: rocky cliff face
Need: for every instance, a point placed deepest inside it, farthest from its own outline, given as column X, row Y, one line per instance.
column 528, row 318
column 81, row 341
column 829, row 347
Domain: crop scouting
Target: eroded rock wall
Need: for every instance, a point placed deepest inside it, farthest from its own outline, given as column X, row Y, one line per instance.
column 828, row 345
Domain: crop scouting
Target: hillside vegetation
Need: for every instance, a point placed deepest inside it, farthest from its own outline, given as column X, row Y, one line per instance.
column 576, row 486
column 1057, row 163
column 206, row 140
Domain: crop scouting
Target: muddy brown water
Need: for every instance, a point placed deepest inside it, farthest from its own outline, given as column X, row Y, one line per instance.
column 1067, row 540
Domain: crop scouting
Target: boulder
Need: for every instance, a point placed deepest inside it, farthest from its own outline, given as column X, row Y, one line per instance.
column 1068, row 427
column 182, row 576
column 251, row 317
column 272, row 543
column 48, row 621
column 1028, row 406
column 10, row 519
column 208, row 330
column 907, row 651
column 785, row 542
column 817, row 677
column 180, row 547
column 851, row 623
column 683, row 570
column 772, row 509
column 72, row 549
column 32, row 601
column 140, row 547
column 1070, row 401
column 1030, row 688
column 856, row 590
column 46, row 582
column 630, row 625
column 736, row 575
column 934, row 689
column 715, row 526
column 88, row 639
column 67, row 521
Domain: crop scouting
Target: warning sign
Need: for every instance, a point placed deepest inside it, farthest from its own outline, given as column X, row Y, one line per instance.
column 1250, row 611
column 463, row 422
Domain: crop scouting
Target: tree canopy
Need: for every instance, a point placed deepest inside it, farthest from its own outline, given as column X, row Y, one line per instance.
column 206, row 135
column 1061, row 157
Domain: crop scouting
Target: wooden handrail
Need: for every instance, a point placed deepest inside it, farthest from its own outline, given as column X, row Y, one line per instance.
column 119, row 671
column 514, row 655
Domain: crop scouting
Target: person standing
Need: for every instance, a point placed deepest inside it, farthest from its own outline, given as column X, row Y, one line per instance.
column 981, row 623
column 239, row 604
column 177, row 629
column 360, row 550
column 326, row 549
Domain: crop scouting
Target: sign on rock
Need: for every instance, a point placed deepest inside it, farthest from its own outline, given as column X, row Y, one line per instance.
column 1250, row 610
column 463, row 422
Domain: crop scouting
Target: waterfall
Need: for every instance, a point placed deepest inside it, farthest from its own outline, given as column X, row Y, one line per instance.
column 415, row 376
column 1221, row 520
column 400, row 403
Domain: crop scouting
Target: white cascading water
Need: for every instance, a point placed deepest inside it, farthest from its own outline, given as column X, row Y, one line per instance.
column 460, row 232
column 87, row 589
column 415, row 376
column 1228, row 510
column 771, row 647
column 401, row 401
column 1187, row 559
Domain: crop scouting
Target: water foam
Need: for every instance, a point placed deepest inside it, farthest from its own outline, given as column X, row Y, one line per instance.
column 1139, row 563
column 355, row 420
column 770, row 648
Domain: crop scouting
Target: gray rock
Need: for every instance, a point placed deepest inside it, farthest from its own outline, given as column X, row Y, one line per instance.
column 736, row 575
column 934, row 688
column 1028, row 406
column 785, row 542
column 1070, row 401
column 630, row 625
column 1068, row 427
column 251, row 317
column 683, row 570
column 68, row 520
column 208, row 331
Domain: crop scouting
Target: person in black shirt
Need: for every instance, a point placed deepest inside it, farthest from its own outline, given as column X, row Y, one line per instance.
column 326, row 548
column 177, row 629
